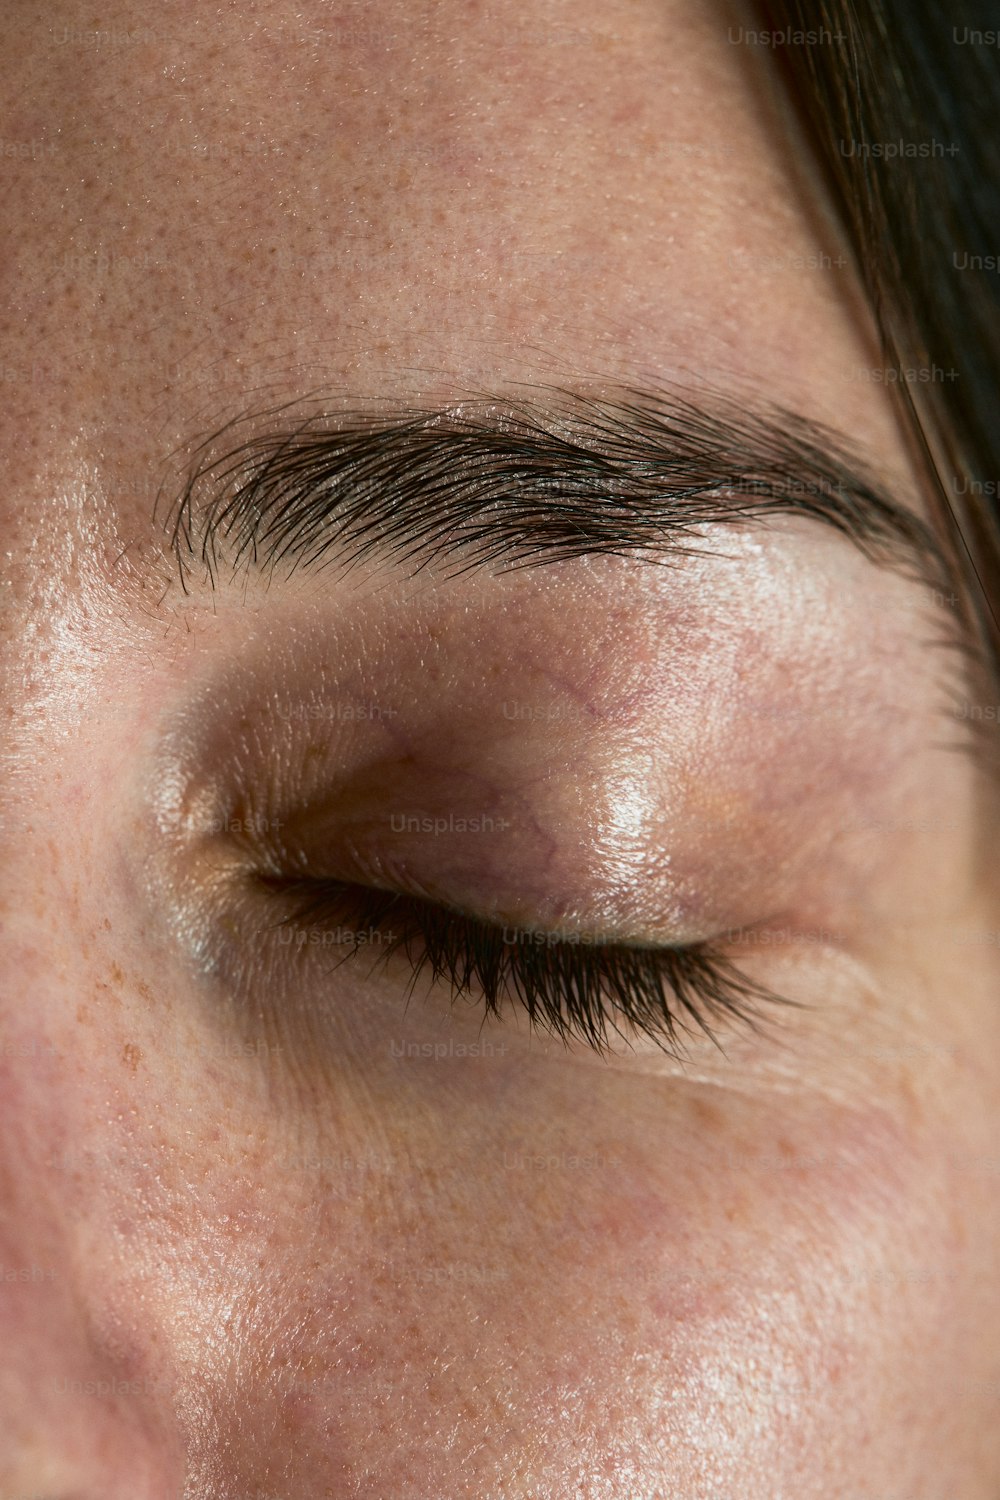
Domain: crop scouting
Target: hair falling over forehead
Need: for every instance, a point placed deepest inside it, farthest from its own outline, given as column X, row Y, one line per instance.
column 902, row 70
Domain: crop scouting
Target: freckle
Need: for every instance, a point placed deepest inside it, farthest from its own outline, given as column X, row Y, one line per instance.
column 108, row 995
column 706, row 1115
column 82, row 1015
column 117, row 974
column 131, row 1056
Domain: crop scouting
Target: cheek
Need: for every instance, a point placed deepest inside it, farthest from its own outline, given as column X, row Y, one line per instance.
column 760, row 1300
column 611, row 1285
column 736, row 1296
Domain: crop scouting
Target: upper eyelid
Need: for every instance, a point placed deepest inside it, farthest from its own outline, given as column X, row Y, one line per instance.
column 291, row 886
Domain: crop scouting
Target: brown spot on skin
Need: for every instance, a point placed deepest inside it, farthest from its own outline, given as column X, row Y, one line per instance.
column 117, row 974
column 706, row 1116
column 107, row 994
column 131, row 1056
column 82, row 1015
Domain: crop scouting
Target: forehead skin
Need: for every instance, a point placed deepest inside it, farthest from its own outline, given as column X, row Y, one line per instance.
column 405, row 199
column 515, row 1274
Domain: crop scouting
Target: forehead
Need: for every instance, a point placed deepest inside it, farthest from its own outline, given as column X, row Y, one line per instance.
column 404, row 199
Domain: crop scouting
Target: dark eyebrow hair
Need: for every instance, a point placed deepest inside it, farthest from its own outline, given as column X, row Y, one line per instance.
column 510, row 482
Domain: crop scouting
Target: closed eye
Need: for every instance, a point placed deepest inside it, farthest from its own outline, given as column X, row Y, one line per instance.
column 570, row 985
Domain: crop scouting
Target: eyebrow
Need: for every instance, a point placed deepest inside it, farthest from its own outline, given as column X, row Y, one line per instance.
column 501, row 483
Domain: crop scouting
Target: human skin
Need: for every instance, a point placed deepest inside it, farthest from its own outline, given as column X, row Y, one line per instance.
column 265, row 1231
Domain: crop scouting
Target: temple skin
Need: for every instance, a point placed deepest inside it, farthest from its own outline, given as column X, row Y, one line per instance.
column 267, row 1230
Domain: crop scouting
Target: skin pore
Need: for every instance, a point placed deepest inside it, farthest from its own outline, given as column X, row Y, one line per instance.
column 267, row 1230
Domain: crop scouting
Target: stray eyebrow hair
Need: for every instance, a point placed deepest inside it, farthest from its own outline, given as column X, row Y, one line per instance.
column 501, row 483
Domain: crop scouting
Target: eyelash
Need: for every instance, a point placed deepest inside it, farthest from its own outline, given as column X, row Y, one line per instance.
column 574, row 990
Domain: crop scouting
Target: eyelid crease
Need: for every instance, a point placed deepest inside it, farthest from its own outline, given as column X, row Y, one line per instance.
column 578, row 991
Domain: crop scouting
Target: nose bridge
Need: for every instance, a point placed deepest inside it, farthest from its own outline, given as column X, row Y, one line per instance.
column 79, row 1420
column 84, row 1415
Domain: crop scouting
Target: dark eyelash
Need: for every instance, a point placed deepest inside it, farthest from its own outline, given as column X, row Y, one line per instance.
column 576, row 990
